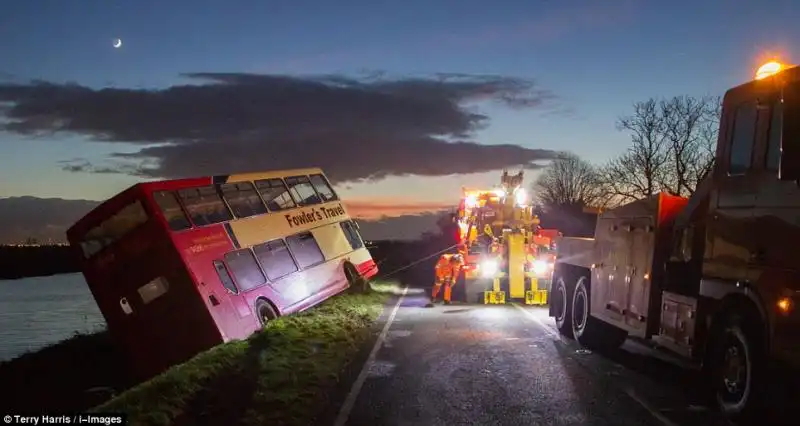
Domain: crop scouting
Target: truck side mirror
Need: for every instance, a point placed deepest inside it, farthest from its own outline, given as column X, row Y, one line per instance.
column 790, row 139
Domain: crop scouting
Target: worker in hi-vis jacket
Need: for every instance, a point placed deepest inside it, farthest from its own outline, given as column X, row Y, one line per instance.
column 447, row 269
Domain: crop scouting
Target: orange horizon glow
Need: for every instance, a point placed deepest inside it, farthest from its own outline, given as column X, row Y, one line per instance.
column 377, row 208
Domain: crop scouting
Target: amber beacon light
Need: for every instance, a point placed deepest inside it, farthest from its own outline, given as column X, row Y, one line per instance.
column 769, row 69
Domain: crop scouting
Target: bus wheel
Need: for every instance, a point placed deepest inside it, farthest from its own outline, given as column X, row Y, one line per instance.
column 357, row 283
column 737, row 368
column 562, row 308
column 265, row 312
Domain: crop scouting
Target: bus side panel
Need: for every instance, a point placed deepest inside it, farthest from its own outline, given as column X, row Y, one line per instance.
column 328, row 278
column 335, row 245
column 232, row 314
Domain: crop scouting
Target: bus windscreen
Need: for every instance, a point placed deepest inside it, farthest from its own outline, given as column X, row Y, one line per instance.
column 113, row 228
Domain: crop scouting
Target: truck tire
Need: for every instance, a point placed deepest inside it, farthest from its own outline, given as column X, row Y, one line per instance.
column 590, row 332
column 562, row 307
column 738, row 368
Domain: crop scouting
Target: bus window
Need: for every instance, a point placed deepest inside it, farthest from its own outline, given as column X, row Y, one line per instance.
column 204, row 205
column 243, row 199
column 275, row 194
column 172, row 211
column 323, row 188
column 275, row 258
column 113, row 228
column 305, row 249
column 244, row 268
column 225, row 277
column 302, row 190
column 352, row 235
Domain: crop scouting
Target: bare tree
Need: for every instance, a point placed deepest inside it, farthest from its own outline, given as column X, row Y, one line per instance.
column 691, row 126
column 568, row 181
column 672, row 148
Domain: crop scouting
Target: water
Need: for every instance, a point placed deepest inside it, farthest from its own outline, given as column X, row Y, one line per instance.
column 37, row 312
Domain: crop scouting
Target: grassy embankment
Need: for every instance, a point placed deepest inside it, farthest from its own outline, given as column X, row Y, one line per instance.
column 281, row 375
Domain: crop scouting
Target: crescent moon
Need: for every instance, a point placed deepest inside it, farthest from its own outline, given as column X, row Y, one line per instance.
column 117, row 43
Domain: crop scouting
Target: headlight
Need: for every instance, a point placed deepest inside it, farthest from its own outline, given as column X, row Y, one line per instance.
column 521, row 197
column 489, row 268
column 541, row 267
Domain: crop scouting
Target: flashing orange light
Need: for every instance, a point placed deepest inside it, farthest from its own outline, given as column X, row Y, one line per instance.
column 785, row 305
column 769, row 69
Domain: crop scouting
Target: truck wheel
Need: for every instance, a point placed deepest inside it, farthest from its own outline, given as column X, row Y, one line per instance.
column 738, row 369
column 562, row 308
column 590, row 332
column 265, row 312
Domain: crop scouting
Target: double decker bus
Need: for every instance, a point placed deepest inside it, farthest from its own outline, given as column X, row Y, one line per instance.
column 179, row 266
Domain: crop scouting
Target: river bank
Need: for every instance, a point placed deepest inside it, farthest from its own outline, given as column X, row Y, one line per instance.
column 302, row 355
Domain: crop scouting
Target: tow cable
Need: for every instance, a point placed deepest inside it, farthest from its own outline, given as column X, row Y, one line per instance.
column 416, row 262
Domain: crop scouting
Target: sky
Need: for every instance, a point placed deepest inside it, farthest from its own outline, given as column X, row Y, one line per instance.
column 401, row 103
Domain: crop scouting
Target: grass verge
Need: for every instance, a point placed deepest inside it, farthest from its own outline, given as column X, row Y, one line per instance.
column 281, row 375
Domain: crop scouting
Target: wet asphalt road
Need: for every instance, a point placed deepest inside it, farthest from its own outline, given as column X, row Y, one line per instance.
column 506, row 365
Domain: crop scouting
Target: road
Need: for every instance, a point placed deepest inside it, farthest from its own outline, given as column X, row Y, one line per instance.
column 507, row 365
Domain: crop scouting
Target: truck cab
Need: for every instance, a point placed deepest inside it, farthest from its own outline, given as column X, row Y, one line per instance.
column 714, row 278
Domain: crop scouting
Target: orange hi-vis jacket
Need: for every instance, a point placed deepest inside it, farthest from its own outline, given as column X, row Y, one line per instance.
column 447, row 267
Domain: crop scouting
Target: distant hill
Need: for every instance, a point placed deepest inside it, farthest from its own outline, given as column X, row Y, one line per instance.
column 43, row 219
column 47, row 219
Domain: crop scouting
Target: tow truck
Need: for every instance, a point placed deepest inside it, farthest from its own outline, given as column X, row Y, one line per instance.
column 715, row 277
column 498, row 230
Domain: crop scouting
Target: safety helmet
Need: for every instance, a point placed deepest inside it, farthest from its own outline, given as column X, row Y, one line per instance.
column 457, row 257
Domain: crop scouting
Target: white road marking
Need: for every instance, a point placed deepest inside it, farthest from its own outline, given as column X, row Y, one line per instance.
column 347, row 407
column 534, row 318
column 654, row 412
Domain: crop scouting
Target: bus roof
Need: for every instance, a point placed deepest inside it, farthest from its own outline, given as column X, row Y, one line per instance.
column 120, row 200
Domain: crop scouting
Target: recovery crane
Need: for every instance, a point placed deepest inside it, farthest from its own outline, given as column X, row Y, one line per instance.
column 497, row 230
column 714, row 278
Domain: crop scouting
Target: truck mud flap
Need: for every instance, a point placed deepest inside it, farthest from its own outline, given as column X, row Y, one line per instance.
column 494, row 297
column 536, row 297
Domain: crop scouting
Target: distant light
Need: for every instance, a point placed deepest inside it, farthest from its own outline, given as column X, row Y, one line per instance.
column 769, row 69
column 521, row 197
column 117, row 43
column 471, row 201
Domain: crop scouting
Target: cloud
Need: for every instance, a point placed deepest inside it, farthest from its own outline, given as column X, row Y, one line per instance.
column 49, row 218
column 355, row 128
